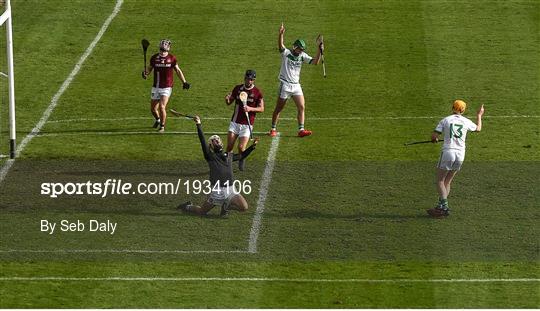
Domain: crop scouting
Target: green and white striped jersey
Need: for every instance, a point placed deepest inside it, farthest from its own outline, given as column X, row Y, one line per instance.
column 455, row 128
column 291, row 66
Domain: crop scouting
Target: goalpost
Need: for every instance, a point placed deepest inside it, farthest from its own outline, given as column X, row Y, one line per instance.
column 5, row 18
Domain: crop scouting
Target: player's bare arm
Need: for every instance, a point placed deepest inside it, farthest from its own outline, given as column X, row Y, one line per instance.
column 229, row 99
column 479, row 115
column 180, row 74
column 435, row 136
column 147, row 72
column 259, row 108
column 317, row 59
column 281, row 46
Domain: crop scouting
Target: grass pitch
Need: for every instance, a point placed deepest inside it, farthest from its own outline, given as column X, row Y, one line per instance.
column 344, row 224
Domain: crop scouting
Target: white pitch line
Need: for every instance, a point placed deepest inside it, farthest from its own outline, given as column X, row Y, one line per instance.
column 63, row 88
column 99, row 119
column 126, row 119
column 131, row 133
column 122, row 251
column 263, row 192
column 289, row 119
column 259, row 279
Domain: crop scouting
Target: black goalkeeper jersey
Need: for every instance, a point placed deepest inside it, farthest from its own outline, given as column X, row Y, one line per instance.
column 220, row 164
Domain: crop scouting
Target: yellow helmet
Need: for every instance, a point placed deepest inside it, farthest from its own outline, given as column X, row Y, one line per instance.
column 459, row 106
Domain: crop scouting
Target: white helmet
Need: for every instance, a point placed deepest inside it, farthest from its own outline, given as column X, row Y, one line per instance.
column 165, row 45
column 215, row 143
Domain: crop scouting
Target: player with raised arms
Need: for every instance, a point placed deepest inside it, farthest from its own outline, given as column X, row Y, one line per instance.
column 221, row 176
column 289, row 80
column 241, row 127
column 454, row 129
column 163, row 64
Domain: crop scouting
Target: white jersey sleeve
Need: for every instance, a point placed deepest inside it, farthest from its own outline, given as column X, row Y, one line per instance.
column 306, row 58
column 440, row 126
column 471, row 126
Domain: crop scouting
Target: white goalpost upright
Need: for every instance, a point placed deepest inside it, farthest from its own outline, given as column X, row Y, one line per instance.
column 6, row 18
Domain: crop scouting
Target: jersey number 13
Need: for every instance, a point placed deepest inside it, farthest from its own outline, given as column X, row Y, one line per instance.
column 455, row 130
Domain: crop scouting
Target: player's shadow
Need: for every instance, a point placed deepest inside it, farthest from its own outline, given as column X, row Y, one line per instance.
column 362, row 216
column 109, row 131
column 309, row 214
column 23, row 210
column 120, row 174
column 207, row 216
column 359, row 217
column 131, row 212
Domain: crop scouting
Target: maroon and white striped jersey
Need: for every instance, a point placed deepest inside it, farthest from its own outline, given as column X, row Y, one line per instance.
column 163, row 70
column 254, row 100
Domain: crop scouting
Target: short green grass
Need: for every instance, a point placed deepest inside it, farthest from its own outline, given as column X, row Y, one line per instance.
column 346, row 203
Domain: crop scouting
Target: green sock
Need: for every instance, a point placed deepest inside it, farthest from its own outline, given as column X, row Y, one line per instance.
column 300, row 126
column 443, row 202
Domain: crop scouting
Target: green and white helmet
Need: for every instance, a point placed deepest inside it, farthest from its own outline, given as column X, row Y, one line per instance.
column 299, row 43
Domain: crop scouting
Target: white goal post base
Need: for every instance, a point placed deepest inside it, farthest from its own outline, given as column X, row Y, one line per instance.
column 6, row 18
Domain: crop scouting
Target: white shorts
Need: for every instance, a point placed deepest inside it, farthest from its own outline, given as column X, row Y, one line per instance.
column 221, row 195
column 287, row 89
column 242, row 130
column 158, row 92
column 451, row 160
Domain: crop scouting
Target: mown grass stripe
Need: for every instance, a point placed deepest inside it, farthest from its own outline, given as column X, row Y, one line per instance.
column 259, row 279
column 149, row 251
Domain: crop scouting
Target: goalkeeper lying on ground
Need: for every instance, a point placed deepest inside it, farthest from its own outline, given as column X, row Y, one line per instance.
column 221, row 177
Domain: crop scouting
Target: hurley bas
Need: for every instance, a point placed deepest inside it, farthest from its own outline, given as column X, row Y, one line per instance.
column 78, row 226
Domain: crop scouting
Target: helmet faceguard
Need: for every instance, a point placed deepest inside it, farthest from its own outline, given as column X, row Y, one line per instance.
column 215, row 144
column 249, row 78
column 251, row 74
column 299, row 44
column 165, row 45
